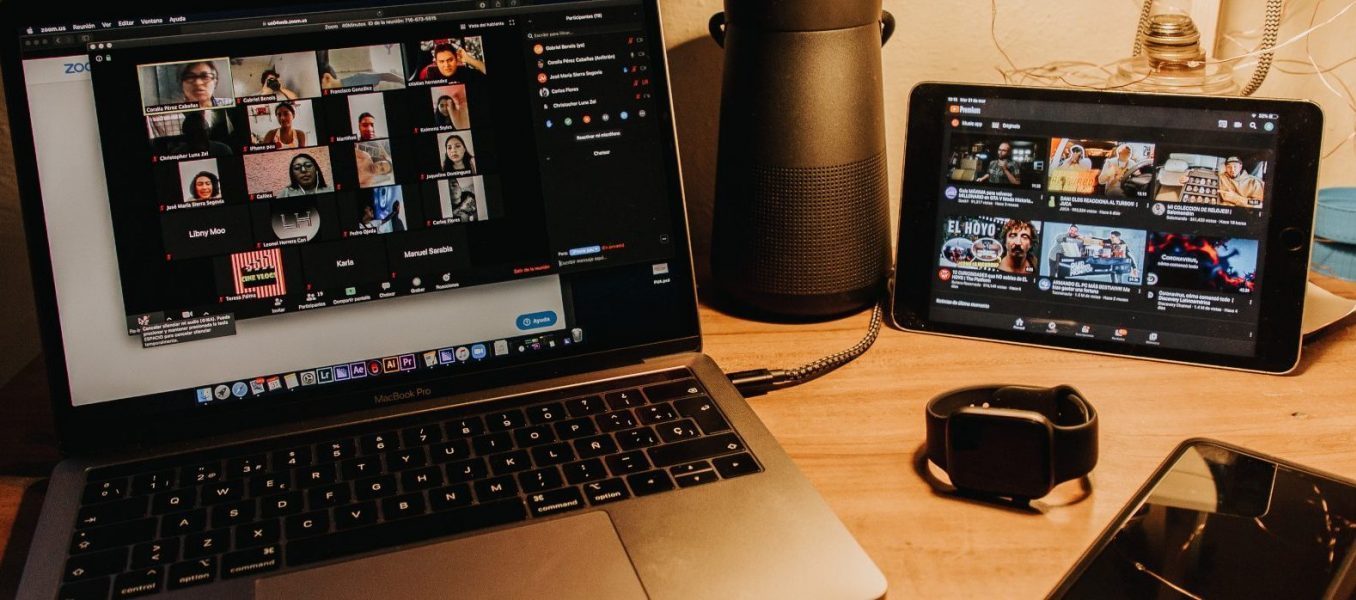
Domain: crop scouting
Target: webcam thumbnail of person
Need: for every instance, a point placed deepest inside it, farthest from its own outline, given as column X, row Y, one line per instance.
column 449, row 107
column 1232, row 179
column 997, row 160
column 457, row 153
column 367, row 113
column 1008, row 245
column 374, row 68
column 1093, row 253
column 259, row 272
column 201, row 180
column 380, row 210
column 373, row 163
column 285, row 124
column 1202, row 263
column 288, row 173
column 188, row 85
column 276, row 77
column 458, row 59
column 1101, row 168
column 216, row 132
column 463, row 200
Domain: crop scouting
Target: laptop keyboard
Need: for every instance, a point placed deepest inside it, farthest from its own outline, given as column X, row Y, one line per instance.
column 248, row 510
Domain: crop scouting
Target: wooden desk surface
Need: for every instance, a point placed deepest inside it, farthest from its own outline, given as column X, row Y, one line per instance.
column 856, row 432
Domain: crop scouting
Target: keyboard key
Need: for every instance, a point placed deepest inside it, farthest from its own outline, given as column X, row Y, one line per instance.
column 633, row 439
column 582, row 407
column 355, row 515
column 608, row 490
column 140, row 582
column 692, row 450
column 251, row 561
column 421, row 479
column 689, row 468
column 193, row 572
column 625, row 464
column 154, row 483
column 575, row 428
column 155, row 553
column 113, row 536
column 281, row 505
column 207, row 543
column 98, row 564
column 378, row 443
column 510, row 462
column 505, row 420
column 91, row 589
column 546, row 413
column 464, row 428
column 595, row 446
column 291, row 459
column 623, row 399
column 235, row 513
column 734, row 466
column 656, row 413
column 450, row 497
column 695, row 479
column 245, row 467
column 679, row 431
column 104, row 491
column 254, row 535
column 330, row 496
column 552, row 455
column 395, row 533
column 307, row 524
column 492, row 443
column 421, row 436
column 375, row 487
column 402, row 507
column 315, row 476
column 650, row 482
column 497, row 488
column 222, row 491
column 467, row 470
column 702, row 410
column 183, row 523
column 535, row 435
column 109, row 513
column 336, row 451
column 673, row 390
column 200, row 474
column 555, row 501
column 585, row 471
column 401, row 460
column 174, row 501
column 616, row 421
column 450, row 451
column 359, row 468
column 270, row 483
column 540, row 480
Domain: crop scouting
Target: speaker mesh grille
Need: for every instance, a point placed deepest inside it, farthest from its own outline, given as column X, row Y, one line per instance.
column 818, row 230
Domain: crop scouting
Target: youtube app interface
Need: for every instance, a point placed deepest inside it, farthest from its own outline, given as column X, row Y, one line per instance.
column 323, row 200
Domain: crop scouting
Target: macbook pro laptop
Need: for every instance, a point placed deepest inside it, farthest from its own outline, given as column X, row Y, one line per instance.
column 367, row 299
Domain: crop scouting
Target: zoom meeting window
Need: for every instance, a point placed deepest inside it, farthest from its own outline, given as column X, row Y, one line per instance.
column 1143, row 226
column 367, row 197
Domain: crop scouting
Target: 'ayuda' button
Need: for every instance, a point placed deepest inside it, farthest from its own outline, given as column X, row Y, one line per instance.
column 537, row 320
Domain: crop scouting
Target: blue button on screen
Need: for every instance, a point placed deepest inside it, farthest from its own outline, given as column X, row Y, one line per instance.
column 537, row 320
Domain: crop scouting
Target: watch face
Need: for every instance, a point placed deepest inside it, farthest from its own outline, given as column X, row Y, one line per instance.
column 1001, row 452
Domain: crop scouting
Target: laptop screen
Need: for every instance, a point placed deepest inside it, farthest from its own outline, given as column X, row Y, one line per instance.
column 253, row 208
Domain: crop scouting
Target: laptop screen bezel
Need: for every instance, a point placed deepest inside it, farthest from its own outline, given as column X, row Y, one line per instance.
column 128, row 422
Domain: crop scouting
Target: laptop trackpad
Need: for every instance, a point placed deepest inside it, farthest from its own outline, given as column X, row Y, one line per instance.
column 574, row 557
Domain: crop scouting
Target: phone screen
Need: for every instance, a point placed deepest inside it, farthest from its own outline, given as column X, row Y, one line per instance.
column 1218, row 523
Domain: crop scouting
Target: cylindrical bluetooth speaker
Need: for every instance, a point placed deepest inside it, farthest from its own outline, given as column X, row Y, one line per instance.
column 801, row 225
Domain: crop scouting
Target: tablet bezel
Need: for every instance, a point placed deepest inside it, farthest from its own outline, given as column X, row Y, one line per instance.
column 1283, row 270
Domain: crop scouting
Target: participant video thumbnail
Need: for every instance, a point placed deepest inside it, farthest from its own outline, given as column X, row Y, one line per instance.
column 1202, row 263
column 259, row 273
column 457, row 59
column 201, row 180
column 373, row 163
column 997, row 160
column 458, row 153
column 289, row 173
column 364, row 68
column 368, row 115
column 1232, row 179
column 449, row 107
column 462, row 200
column 297, row 220
column 1094, row 253
column 284, row 124
column 380, row 210
column 276, row 77
column 1007, row 245
column 188, row 85
column 215, row 132
column 1116, row 169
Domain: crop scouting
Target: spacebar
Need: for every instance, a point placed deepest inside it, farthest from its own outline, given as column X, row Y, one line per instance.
column 365, row 539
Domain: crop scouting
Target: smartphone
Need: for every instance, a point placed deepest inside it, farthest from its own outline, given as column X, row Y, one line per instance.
column 1219, row 521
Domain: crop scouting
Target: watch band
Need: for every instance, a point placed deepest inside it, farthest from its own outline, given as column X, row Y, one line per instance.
column 1073, row 421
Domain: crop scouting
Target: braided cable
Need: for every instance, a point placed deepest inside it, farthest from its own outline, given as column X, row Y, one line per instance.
column 823, row 366
column 1271, row 28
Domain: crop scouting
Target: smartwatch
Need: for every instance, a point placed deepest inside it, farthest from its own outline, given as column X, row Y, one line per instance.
column 1012, row 441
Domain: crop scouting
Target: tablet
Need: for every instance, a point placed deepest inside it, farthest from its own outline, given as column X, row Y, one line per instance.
column 1165, row 227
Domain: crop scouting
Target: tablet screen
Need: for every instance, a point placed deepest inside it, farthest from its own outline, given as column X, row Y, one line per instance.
column 1136, row 225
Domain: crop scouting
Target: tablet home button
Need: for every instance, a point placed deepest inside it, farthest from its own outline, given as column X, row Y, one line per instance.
column 1294, row 239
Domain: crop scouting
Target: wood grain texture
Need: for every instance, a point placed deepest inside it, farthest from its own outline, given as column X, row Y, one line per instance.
column 856, row 433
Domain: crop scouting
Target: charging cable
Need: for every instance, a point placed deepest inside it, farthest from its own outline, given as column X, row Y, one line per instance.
column 757, row 382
